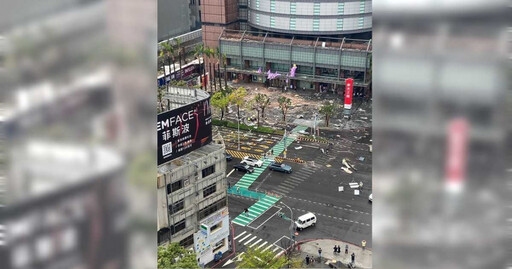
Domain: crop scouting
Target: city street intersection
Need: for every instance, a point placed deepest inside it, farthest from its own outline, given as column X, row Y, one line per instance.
column 313, row 186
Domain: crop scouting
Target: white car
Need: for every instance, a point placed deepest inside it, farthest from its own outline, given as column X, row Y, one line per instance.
column 252, row 161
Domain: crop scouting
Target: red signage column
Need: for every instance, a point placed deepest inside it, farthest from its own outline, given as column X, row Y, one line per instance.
column 456, row 154
column 349, row 84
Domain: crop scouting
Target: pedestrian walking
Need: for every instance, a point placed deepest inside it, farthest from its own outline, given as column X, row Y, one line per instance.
column 346, row 249
column 339, row 249
column 238, row 189
column 335, row 249
column 360, row 185
column 353, row 256
column 320, row 253
column 229, row 185
column 307, row 260
column 363, row 244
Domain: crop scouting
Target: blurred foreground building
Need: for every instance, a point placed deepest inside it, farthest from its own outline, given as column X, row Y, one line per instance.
column 192, row 190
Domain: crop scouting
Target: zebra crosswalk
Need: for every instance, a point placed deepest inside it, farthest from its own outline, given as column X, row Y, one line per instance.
column 249, row 240
column 256, row 210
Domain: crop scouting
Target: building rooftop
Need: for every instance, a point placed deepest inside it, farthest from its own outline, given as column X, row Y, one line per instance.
column 189, row 158
column 326, row 42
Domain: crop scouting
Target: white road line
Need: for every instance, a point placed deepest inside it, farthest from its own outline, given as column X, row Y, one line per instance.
column 245, row 244
column 268, row 218
column 240, row 235
column 288, row 184
column 244, row 238
column 281, row 187
column 230, row 172
column 279, row 253
column 276, row 249
column 262, row 245
column 269, row 246
column 255, row 243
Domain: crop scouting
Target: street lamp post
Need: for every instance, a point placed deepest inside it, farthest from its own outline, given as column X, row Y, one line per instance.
column 291, row 223
column 238, row 124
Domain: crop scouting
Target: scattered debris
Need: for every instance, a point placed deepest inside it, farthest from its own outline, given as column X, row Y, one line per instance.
column 356, row 192
column 340, row 188
column 259, row 140
column 361, row 158
column 346, row 170
column 353, row 185
column 299, row 147
column 327, row 165
column 364, row 118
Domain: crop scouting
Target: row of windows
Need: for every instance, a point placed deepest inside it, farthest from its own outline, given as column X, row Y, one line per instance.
column 207, row 211
column 174, row 186
column 208, row 171
column 178, row 226
column 173, row 208
column 189, row 240
column 209, row 190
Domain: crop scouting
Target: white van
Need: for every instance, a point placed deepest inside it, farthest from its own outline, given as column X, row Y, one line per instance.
column 306, row 220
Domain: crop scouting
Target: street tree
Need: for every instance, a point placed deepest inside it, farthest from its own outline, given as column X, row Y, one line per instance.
column 237, row 97
column 198, row 53
column 258, row 258
column 220, row 100
column 174, row 256
column 263, row 101
column 328, row 110
column 167, row 53
column 284, row 105
column 179, row 50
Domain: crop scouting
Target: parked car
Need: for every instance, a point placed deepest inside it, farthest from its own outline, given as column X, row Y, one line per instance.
column 243, row 167
column 252, row 161
column 229, row 157
column 280, row 167
column 306, row 220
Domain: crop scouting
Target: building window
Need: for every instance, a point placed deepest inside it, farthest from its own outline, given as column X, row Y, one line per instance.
column 163, row 235
column 177, row 227
column 187, row 241
column 208, row 171
column 216, row 227
column 219, row 245
column 292, row 23
column 293, row 8
column 176, row 206
column 207, row 211
column 174, row 186
column 316, row 9
column 316, row 24
column 209, row 190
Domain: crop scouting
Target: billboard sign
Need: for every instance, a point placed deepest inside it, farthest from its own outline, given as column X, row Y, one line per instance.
column 349, row 85
column 183, row 130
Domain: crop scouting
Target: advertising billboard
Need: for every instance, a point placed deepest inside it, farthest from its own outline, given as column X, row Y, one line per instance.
column 183, row 130
column 349, row 84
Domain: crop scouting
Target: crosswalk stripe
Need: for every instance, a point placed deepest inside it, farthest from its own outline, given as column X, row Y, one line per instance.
column 276, row 249
column 244, row 238
column 289, row 184
column 269, row 246
column 279, row 253
column 248, row 241
column 266, row 203
column 240, row 235
column 286, row 190
column 255, row 243
column 262, row 245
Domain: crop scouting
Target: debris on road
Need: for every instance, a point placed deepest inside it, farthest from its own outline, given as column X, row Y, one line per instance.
column 361, row 158
column 299, row 147
column 346, row 170
column 353, row 185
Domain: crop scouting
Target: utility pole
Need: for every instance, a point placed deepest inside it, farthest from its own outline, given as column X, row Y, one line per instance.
column 238, row 125
column 292, row 236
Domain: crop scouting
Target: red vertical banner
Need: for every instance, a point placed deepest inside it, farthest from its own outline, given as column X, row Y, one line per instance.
column 349, row 85
column 456, row 154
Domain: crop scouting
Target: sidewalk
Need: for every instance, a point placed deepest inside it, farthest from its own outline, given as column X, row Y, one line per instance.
column 363, row 258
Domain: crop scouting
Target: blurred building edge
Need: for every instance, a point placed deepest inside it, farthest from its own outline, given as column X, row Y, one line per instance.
column 436, row 62
column 192, row 192
column 65, row 208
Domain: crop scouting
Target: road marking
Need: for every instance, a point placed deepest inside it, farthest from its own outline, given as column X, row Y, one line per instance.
column 278, row 254
column 262, row 245
column 240, row 235
column 230, row 172
column 255, row 243
column 244, row 238
column 276, row 249
column 248, row 241
column 269, row 246
column 288, row 184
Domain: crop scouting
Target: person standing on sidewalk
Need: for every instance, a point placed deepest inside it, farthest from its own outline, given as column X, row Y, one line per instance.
column 320, row 254
column 353, row 256
column 346, row 249
column 307, row 259
column 335, row 250
column 363, row 244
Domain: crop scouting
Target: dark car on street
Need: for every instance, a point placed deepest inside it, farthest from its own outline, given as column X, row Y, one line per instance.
column 229, row 157
column 280, row 167
column 243, row 167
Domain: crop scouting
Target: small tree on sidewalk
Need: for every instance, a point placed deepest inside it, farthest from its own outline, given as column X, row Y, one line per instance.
column 258, row 258
column 263, row 101
column 175, row 256
column 220, row 100
column 328, row 110
column 284, row 105
column 237, row 97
